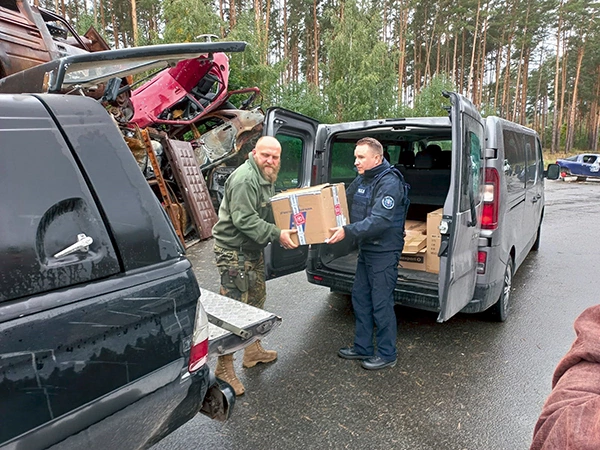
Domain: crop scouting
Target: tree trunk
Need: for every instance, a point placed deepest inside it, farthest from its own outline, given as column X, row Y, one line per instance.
column 286, row 42
column 555, row 121
column 573, row 110
column 498, row 72
column 454, row 57
column 102, row 16
column 523, row 101
column 461, row 70
column 316, row 44
column 472, row 63
column 114, row 24
column 504, row 106
column 402, row 29
column 482, row 59
column 429, row 46
column 563, row 86
column 232, row 14
column 134, row 24
column 95, row 13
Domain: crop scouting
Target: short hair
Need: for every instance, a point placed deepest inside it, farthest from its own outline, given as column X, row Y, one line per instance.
column 373, row 144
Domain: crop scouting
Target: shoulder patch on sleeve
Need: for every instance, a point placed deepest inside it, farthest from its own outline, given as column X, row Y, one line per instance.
column 387, row 202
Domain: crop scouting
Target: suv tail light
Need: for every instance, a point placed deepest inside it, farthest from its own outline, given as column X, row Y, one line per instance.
column 491, row 192
column 199, row 351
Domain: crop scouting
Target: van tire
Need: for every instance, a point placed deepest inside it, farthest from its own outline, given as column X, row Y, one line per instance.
column 499, row 310
column 536, row 244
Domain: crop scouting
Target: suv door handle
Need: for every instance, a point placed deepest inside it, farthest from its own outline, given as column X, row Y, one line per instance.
column 536, row 198
column 83, row 244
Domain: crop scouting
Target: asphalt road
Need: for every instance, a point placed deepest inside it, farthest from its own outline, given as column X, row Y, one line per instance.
column 464, row 384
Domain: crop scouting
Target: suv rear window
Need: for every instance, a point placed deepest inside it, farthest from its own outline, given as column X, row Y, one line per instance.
column 49, row 205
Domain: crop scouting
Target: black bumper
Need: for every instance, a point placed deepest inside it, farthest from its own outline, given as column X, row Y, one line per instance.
column 142, row 422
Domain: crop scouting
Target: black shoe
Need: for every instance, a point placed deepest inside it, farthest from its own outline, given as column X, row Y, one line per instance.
column 350, row 353
column 377, row 362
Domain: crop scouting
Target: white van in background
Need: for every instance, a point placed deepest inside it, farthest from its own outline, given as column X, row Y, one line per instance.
column 481, row 178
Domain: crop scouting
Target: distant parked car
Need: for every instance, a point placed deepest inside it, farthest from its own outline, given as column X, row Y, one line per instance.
column 581, row 166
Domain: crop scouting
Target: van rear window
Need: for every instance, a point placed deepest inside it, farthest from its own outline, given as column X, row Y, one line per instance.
column 515, row 161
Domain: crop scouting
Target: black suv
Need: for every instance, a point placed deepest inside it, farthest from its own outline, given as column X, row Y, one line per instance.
column 103, row 339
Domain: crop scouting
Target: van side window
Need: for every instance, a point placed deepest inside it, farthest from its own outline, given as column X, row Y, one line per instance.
column 531, row 172
column 342, row 162
column 291, row 162
column 515, row 163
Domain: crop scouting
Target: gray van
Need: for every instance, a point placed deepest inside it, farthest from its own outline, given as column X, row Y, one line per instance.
column 483, row 176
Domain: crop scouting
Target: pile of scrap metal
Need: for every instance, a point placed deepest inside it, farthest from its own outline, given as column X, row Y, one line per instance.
column 174, row 109
column 193, row 137
column 31, row 35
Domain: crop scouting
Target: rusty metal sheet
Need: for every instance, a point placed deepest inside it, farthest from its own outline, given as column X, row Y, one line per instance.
column 192, row 184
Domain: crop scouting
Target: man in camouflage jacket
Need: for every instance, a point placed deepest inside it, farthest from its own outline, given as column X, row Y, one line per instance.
column 244, row 228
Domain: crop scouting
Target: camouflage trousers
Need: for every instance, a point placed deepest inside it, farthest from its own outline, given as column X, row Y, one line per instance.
column 242, row 275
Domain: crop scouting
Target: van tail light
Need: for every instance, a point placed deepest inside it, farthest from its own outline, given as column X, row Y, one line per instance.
column 481, row 261
column 199, row 350
column 491, row 192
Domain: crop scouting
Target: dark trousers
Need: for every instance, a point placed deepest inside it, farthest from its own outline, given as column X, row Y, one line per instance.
column 373, row 302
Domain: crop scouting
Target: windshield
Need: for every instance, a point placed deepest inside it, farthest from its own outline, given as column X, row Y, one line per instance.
column 84, row 73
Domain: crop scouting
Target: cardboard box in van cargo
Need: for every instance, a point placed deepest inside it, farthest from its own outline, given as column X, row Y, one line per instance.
column 434, row 239
column 415, row 261
column 415, row 227
column 312, row 211
column 414, row 243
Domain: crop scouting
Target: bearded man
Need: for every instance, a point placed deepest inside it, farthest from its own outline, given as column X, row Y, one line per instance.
column 244, row 229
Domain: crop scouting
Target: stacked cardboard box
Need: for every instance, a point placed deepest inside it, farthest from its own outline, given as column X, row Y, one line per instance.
column 422, row 243
column 312, row 211
column 415, row 243
column 434, row 239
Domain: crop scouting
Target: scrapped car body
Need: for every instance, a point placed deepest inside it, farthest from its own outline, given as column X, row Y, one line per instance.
column 30, row 35
column 180, row 94
column 104, row 339
column 582, row 166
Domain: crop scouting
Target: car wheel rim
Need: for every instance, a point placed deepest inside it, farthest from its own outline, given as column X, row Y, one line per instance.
column 507, row 287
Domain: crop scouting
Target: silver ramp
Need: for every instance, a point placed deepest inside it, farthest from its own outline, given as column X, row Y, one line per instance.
column 257, row 322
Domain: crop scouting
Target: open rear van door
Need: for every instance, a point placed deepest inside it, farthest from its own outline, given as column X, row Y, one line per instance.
column 461, row 222
column 297, row 135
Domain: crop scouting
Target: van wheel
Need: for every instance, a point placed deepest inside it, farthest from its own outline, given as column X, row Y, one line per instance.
column 499, row 311
column 536, row 244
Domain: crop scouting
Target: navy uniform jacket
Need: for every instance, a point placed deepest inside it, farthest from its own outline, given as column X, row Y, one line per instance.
column 378, row 206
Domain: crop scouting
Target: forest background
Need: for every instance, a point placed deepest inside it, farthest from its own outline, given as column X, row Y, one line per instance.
column 536, row 63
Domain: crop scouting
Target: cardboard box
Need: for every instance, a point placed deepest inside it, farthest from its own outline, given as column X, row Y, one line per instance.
column 415, row 227
column 434, row 239
column 414, row 243
column 312, row 211
column 417, row 261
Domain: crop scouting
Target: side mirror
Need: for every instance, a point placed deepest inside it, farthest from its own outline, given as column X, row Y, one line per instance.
column 552, row 172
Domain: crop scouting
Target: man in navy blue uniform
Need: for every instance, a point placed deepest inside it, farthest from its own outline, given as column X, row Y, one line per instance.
column 378, row 205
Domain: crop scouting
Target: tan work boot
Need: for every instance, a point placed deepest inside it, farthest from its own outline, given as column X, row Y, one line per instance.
column 226, row 372
column 254, row 353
